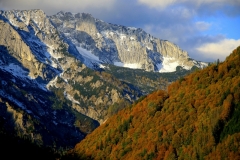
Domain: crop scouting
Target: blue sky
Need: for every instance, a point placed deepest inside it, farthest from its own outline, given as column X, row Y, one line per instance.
column 207, row 29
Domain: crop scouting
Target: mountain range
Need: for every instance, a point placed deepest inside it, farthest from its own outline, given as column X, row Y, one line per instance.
column 101, row 42
column 64, row 75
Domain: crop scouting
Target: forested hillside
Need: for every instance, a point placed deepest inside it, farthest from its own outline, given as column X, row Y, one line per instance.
column 196, row 118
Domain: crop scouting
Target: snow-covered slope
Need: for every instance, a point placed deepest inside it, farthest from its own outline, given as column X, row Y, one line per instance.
column 43, row 79
column 119, row 45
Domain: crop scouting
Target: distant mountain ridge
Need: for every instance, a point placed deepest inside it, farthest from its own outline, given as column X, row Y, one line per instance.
column 119, row 45
column 59, row 83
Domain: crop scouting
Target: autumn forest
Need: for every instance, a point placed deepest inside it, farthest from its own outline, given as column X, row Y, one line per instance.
column 196, row 117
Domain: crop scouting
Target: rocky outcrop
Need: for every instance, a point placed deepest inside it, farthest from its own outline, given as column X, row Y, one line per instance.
column 115, row 43
column 18, row 49
column 45, row 81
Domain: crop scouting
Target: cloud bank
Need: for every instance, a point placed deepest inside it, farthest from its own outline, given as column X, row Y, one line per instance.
column 54, row 6
column 218, row 50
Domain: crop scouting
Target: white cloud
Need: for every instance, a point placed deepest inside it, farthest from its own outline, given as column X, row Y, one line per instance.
column 177, row 33
column 164, row 33
column 183, row 12
column 157, row 3
column 219, row 50
column 202, row 26
column 163, row 4
column 54, row 6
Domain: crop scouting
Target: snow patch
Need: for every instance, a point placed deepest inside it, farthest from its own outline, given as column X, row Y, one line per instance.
column 122, row 36
column 102, row 66
column 132, row 38
column 159, row 66
column 10, row 98
column 108, row 33
column 187, row 67
column 99, row 35
column 148, row 48
column 128, row 65
column 67, row 34
column 15, row 70
column 168, row 65
column 19, row 72
column 132, row 28
column 69, row 97
column 87, row 54
column 111, row 33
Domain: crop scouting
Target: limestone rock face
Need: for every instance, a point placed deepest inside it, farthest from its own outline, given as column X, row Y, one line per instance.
column 51, row 80
column 115, row 44
column 18, row 49
column 51, row 92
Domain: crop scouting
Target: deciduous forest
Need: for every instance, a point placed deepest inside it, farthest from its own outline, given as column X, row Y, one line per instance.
column 196, row 117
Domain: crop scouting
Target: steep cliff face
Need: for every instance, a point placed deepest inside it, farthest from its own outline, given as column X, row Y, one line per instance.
column 120, row 45
column 46, row 87
column 28, row 63
column 57, row 80
column 18, row 49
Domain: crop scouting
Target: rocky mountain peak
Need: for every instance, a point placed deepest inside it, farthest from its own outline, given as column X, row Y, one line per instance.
column 56, row 70
column 121, row 45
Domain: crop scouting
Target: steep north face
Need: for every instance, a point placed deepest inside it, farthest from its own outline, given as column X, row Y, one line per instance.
column 57, row 81
column 120, row 45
